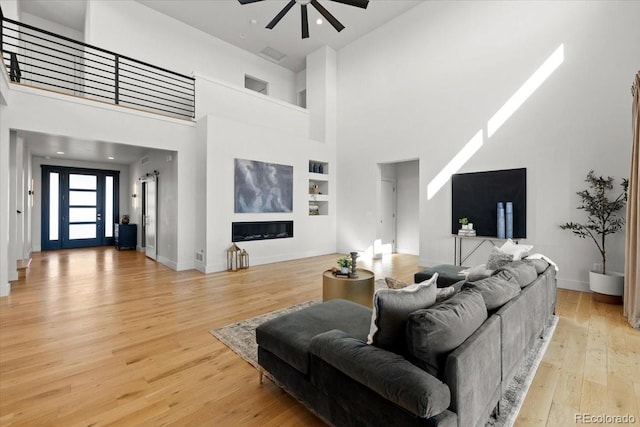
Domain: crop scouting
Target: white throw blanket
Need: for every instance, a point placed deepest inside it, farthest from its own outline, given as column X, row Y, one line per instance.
column 546, row 258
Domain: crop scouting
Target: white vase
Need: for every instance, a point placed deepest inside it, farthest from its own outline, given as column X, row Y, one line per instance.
column 611, row 284
column 344, row 270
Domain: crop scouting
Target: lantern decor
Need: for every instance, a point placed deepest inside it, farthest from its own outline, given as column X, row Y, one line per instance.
column 233, row 258
column 244, row 259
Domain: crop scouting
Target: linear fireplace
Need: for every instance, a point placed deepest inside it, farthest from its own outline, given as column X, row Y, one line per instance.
column 261, row 230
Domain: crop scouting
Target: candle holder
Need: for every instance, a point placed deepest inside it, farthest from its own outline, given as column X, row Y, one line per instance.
column 354, row 256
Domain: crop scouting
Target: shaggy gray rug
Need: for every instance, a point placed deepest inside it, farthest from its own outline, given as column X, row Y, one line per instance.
column 241, row 338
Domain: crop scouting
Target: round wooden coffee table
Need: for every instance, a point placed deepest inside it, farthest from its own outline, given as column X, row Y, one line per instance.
column 359, row 290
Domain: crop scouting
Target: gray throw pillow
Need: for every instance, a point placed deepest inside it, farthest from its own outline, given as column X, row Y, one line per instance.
column 522, row 271
column 391, row 308
column 434, row 332
column 496, row 290
column 497, row 259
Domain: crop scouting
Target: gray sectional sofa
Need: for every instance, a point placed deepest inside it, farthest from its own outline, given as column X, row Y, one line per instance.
column 320, row 355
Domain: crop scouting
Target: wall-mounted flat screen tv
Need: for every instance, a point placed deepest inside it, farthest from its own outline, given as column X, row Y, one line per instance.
column 476, row 196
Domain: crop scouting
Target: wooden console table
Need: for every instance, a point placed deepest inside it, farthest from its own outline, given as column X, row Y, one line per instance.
column 359, row 290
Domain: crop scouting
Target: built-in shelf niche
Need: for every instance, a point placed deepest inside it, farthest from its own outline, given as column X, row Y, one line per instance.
column 319, row 196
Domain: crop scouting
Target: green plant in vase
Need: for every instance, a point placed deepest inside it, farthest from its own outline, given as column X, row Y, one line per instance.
column 602, row 220
column 345, row 264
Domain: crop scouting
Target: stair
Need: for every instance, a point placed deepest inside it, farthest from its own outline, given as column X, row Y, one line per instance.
column 23, row 267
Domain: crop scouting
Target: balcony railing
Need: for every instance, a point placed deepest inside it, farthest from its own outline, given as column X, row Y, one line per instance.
column 39, row 58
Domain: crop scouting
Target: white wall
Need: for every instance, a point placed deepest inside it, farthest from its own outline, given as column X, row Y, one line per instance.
column 432, row 78
column 227, row 140
column 408, row 207
column 54, row 27
column 147, row 35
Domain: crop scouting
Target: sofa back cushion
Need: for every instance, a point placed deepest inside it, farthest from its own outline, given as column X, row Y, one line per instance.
column 539, row 264
column 496, row 290
column 434, row 332
column 523, row 271
column 391, row 308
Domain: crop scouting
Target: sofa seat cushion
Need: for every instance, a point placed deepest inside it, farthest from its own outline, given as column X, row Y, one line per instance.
column 289, row 336
column 496, row 290
column 447, row 274
column 388, row 374
column 434, row 332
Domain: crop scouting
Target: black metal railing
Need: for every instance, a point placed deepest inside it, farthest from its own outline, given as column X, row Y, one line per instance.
column 43, row 59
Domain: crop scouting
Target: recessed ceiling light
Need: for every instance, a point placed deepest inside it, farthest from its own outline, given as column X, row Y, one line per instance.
column 254, row 21
column 110, row 157
column 59, row 152
column 319, row 21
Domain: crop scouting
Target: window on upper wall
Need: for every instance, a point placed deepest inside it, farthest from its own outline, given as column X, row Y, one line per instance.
column 256, row 84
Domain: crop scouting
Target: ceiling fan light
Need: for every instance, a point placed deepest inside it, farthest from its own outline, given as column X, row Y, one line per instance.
column 319, row 21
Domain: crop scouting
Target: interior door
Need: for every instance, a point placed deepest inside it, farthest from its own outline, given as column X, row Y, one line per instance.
column 150, row 217
column 388, row 216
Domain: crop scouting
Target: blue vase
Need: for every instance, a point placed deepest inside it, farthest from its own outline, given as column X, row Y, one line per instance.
column 500, row 221
column 508, row 215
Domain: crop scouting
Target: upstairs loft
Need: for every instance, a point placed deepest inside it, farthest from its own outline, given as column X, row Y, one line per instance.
column 44, row 63
column 42, row 59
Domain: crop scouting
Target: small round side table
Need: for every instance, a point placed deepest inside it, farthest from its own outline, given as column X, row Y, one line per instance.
column 359, row 290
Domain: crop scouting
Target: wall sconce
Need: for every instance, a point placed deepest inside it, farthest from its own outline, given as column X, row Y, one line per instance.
column 134, row 195
column 31, row 193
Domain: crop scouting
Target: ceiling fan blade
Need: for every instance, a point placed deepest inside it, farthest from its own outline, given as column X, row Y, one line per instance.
column 249, row 1
column 357, row 3
column 305, row 21
column 280, row 15
column 328, row 16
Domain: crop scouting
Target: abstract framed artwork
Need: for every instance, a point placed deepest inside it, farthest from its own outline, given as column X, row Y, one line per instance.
column 262, row 187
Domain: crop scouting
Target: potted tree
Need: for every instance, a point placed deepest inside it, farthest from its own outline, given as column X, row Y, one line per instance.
column 602, row 220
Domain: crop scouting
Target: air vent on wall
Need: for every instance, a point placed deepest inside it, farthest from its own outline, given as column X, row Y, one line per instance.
column 272, row 55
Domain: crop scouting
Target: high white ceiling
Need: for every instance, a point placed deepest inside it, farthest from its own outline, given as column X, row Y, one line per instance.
column 232, row 22
column 227, row 20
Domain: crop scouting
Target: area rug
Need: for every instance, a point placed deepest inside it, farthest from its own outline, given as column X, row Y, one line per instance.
column 241, row 338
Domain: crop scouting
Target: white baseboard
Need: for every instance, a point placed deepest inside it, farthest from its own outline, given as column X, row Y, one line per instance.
column 166, row 261
column 574, row 285
column 407, row 251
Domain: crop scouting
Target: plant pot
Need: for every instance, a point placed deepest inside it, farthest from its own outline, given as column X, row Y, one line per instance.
column 344, row 270
column 607, row 288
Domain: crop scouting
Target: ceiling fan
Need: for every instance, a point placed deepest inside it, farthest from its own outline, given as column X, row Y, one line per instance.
column 303, row 8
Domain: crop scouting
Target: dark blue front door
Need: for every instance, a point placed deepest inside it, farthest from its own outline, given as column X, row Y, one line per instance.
column 79, row 207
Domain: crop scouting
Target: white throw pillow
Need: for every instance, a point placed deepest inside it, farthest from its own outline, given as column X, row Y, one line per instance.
column 518, row 251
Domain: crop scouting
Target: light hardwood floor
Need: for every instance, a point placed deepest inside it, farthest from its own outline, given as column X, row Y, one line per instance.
column 97, row 336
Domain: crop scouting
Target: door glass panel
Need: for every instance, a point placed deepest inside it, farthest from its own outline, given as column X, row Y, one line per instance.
column 54, row 196
column 108, row 207
column 82, row 198
column 82, row 231
column 83, row 182
column 82, row 214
